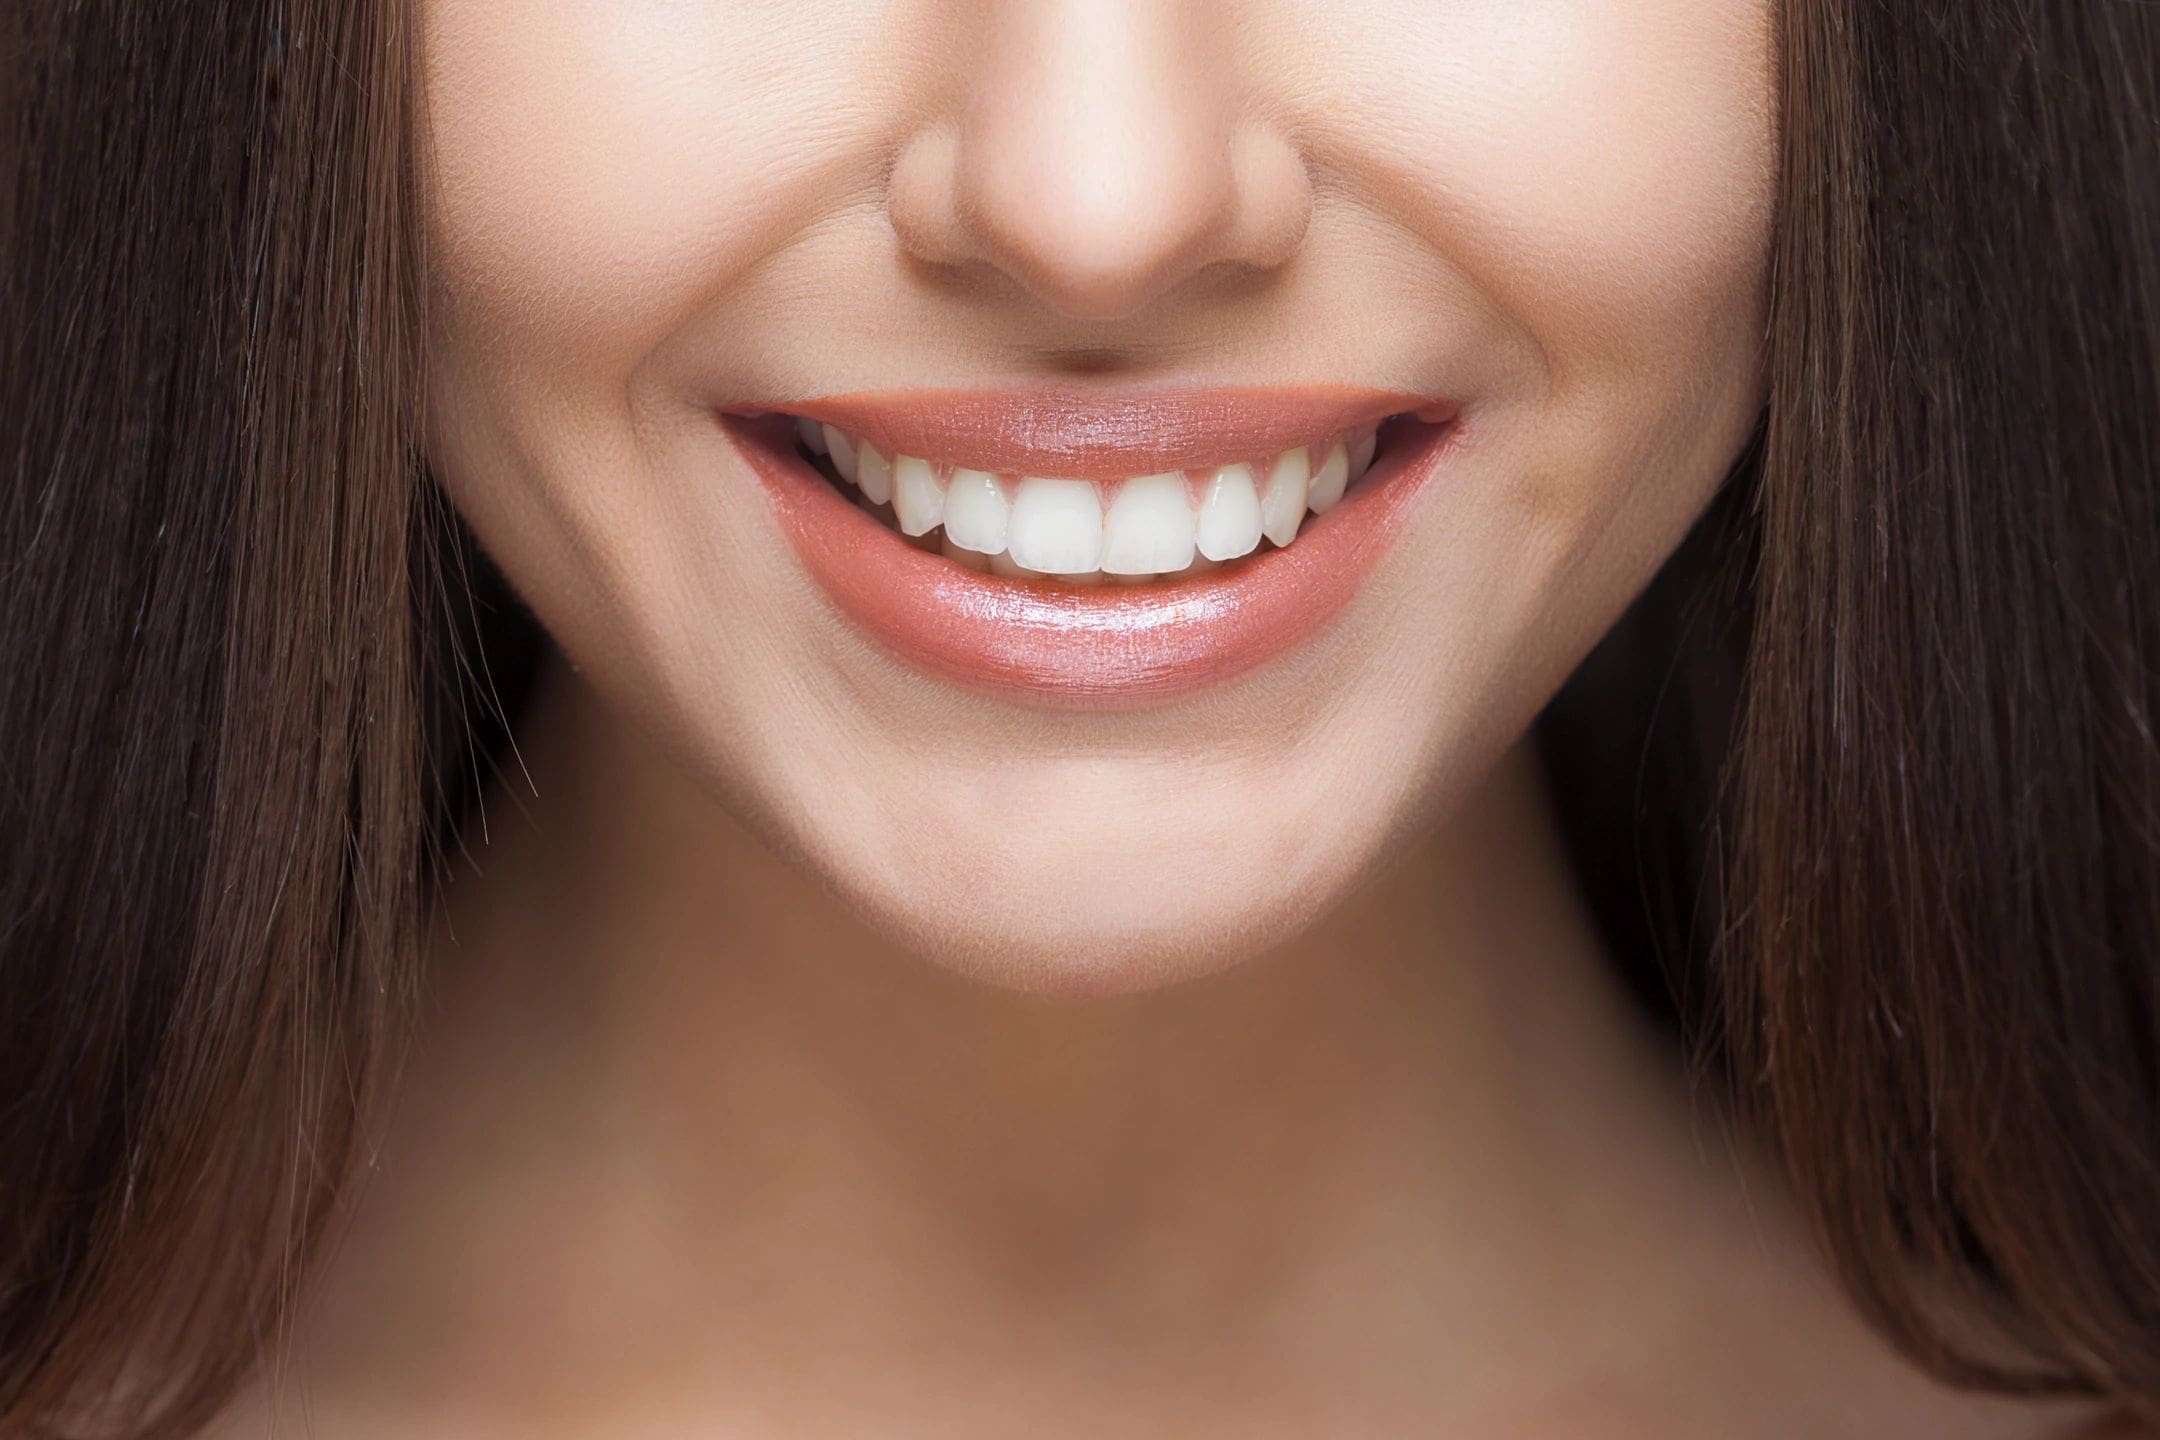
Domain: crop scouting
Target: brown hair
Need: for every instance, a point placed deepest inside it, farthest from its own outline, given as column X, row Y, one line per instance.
column 1872, row 806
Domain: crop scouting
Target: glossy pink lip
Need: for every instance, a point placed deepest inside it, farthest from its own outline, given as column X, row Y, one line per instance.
column 1049, row 641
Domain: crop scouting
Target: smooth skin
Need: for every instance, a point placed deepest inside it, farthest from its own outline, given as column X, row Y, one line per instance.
column 814, row 1048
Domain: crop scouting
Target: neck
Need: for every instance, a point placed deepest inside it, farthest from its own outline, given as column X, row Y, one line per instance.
column 671, row 1103
column 1420, row 1063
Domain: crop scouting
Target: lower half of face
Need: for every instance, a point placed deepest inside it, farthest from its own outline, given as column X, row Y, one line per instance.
column 1092, row 498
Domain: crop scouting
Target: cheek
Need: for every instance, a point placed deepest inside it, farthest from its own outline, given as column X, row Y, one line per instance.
column 591, row 160
column 1601, row 173
column 1601, row 170
column 589, row 163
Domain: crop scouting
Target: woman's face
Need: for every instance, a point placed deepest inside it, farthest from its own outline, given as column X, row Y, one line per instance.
column 1153, row 240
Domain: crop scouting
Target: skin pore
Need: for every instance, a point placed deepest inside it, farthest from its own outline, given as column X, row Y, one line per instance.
column 816, row 1047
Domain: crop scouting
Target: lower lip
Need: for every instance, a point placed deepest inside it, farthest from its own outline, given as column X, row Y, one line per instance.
column 1048, row 641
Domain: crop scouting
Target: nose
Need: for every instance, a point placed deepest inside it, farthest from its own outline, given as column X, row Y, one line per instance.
column 1099, row 154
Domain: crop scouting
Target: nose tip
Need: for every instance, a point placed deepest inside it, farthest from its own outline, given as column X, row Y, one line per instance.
column 1094, row 165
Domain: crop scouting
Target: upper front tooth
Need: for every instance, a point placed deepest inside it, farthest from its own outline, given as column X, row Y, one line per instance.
column 1282, row 504
column 1149, row 529
column 1329, row 479
column 1362, row 445
column 1229, row 524
column 842, row 450
column 918, row 499
column 1056, row 526
column 976, row 513
column 1060, row 526
column 873, row 474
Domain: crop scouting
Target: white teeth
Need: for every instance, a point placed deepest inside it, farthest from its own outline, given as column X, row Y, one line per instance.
column 873, row 473
column 1057, row 526
column 1282, row 504
column 1328, row 480
column 1230, row 516
column 1362, row 445
column 976, row 513
column 842, row 450
column 917, row 497
column 1149, row 530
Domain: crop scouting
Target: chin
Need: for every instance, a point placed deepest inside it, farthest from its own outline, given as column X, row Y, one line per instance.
column 1059, row 917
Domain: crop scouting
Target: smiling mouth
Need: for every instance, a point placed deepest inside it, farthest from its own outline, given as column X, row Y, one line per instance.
column 1088, row 547
column 1168, row 524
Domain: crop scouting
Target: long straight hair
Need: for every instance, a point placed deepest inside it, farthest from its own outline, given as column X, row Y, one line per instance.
column 1872, row 806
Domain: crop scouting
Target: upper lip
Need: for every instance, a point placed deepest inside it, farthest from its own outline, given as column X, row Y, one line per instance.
column 1095, row 433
